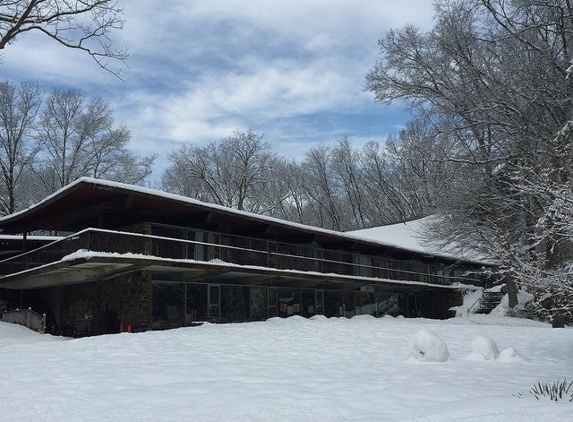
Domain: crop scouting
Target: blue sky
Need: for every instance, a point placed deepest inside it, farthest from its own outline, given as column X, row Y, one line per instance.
column 198, row 70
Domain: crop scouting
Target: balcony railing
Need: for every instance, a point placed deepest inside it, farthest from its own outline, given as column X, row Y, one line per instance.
column 259, row 253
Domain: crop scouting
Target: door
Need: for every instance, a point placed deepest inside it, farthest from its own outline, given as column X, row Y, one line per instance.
column 214, row 301
column 273, row 302
column 319, row 300
column 258, row 306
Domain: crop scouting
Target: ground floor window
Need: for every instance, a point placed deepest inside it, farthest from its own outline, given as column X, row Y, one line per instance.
column 289, row 303
column 273, row 300
column 258, row 303
column 168, row 305
column 234, row 300
column 308, row 305
column 196, row 297
column 391, row 304
column 177, row 304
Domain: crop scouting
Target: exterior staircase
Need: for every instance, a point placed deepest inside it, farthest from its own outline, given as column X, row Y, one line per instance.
column 489, row 302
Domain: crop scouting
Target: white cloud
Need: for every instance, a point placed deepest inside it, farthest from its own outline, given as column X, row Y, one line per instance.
column 198, row 70
column 217, row 103
column 302, row 19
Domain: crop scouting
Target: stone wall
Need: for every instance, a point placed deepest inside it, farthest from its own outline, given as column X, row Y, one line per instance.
column 108, row 306
column 129, row 298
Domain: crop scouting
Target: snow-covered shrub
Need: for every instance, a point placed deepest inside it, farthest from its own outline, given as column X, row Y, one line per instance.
column 427, row 346
column 483, row 348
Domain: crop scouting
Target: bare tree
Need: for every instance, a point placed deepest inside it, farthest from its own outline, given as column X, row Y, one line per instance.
column 323, row 189
column 234, row 172
column 77, row 138
column 421, row 171
column 385, row 203
column 18, row 109
column 82, row 25
column 490, row 76
column 289, row 197
column 347, row 167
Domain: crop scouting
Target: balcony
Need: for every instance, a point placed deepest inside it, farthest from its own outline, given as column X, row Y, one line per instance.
column 206, row 246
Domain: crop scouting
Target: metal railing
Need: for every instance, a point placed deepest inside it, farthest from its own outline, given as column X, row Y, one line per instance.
column 27, row 318
column 260, row 253
column 475, row 305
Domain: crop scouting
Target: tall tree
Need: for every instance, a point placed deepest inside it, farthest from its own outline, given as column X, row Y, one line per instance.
column 233, row 172
column 82, row 25
column 385, row 202
column 323, row 188
column 18, row 109
column 421, row 174
column 490, row 76
column 289, row 197
column 347, row 167
column 77, row 137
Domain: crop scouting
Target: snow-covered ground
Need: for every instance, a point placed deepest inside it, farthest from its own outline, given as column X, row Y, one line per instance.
column 337, row 369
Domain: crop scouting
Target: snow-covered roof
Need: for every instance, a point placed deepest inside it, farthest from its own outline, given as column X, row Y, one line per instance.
column 404, row 236
column 410, row 235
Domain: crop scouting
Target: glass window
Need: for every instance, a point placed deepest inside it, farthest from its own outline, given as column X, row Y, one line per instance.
column 168, row 304
column 349, row 306
column 289, row 303
column 196, row 300
column 333, row 304
column 214, row 301
column 308, row 303
column 368, row 306
column 390, row 303
column 258, row 304
column 234, row 303
column 273, row 303
column 319, row 302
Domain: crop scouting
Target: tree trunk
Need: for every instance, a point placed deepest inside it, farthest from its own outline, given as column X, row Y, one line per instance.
column 511, row 291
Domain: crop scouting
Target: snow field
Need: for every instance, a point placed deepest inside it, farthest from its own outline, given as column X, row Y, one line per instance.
column 285, row 370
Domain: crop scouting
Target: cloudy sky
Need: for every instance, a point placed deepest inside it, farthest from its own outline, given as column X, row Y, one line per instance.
column 198, row 70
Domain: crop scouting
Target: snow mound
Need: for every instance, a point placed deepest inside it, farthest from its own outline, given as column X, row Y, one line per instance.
column 275, row 320
column 427, row 346
column 483, row 348
column 296, row 319
column 365, row 317
column 318, row 318
column 511, row 355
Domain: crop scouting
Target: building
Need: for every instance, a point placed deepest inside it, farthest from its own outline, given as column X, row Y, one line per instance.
column 131, row 257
